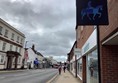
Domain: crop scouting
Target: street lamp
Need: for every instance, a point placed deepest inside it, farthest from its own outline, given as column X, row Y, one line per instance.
column 25, row 44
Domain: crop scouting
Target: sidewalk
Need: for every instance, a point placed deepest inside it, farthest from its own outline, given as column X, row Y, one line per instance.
column 66, row 78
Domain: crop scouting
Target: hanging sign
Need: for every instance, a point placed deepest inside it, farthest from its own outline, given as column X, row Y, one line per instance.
column 91, row 12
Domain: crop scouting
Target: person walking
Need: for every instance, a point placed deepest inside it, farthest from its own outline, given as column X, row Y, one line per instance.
column 60, row 68
column 64, row 68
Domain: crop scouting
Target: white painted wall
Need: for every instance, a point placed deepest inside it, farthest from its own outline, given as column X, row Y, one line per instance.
column 16, row 33
column 31, row 56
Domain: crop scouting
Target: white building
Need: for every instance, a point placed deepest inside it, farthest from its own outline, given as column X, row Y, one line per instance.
column 31, row 57
column 11, row 46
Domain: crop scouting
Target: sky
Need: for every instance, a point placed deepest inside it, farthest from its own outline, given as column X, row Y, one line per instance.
column 49, row 24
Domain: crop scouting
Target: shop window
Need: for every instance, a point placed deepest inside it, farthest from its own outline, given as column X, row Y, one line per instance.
column 92, row 67
column 80, row 67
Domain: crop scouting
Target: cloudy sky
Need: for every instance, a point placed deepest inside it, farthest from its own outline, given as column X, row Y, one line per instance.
column 49, row 24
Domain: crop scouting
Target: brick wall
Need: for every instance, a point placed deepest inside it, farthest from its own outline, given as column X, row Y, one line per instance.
column 105, row 31
column 84, row 35
column 109, row 64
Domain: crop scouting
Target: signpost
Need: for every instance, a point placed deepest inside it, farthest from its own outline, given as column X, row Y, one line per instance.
column 92, row 12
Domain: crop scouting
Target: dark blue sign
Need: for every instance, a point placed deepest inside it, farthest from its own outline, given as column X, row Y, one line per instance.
column 91, row 12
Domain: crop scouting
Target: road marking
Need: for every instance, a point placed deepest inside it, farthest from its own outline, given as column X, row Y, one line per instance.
column 52, row 78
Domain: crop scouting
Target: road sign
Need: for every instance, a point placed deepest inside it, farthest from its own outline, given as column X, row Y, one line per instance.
column 91, row 12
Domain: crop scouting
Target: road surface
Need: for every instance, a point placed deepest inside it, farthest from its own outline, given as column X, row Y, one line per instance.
column 28, row 76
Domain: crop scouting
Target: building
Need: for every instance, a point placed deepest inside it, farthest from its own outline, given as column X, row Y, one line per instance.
column 32, row 54
column 40, row 58
column 11, row 46
column 87, row 67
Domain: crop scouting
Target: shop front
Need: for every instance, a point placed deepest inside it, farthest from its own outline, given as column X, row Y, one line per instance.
column 90, row 64
column 92, row 67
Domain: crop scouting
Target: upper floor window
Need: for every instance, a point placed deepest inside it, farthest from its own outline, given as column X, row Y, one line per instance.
column 1, row 30
column 18, row 39
column 19, row 50
column 11, row 46
column 21, row 41
column 16, row 48
column 12, row 37
column 4, row 46
column 6, row 33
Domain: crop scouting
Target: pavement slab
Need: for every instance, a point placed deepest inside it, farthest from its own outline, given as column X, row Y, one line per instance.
column 66, row 77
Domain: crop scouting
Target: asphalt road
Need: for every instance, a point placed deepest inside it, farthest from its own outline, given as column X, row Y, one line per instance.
column 28, row 76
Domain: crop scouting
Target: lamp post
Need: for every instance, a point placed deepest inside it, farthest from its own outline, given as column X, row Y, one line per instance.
column 25, row 44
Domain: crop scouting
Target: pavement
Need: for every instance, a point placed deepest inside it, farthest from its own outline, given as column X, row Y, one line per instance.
column 66, row 77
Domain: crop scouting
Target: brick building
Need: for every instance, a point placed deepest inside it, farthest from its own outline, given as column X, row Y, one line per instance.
column 87, row 61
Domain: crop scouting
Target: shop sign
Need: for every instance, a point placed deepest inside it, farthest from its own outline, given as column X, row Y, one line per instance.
column 91, row 12
column 77, row 52
column 90, row 43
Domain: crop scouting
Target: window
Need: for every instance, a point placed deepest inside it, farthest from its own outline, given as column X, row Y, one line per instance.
column 19, row 50
column 6, row 33
column 12, row 37
column 18, row 39
column 1, row 59
column 0, row 30
column 19, row 58
column 92, row 67
column 80, row 67
column 16, row 48
column 21, row 40
column 4, row 46
column 11, row 46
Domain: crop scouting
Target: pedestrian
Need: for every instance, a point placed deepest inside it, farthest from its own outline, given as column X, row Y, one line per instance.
column 60, row 68
column 64, row 67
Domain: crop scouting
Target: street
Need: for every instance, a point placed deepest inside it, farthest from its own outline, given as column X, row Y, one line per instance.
column 28, row 76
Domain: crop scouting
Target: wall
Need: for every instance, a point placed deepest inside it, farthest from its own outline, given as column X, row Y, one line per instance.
column 106, row 31
column 109, row 60
column 83, row 35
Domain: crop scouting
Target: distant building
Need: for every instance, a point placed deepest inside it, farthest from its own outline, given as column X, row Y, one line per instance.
column 32, row 55
column 40, row 58
column 11, row 46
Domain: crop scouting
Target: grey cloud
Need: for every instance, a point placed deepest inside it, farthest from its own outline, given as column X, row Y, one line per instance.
column 55, row 17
